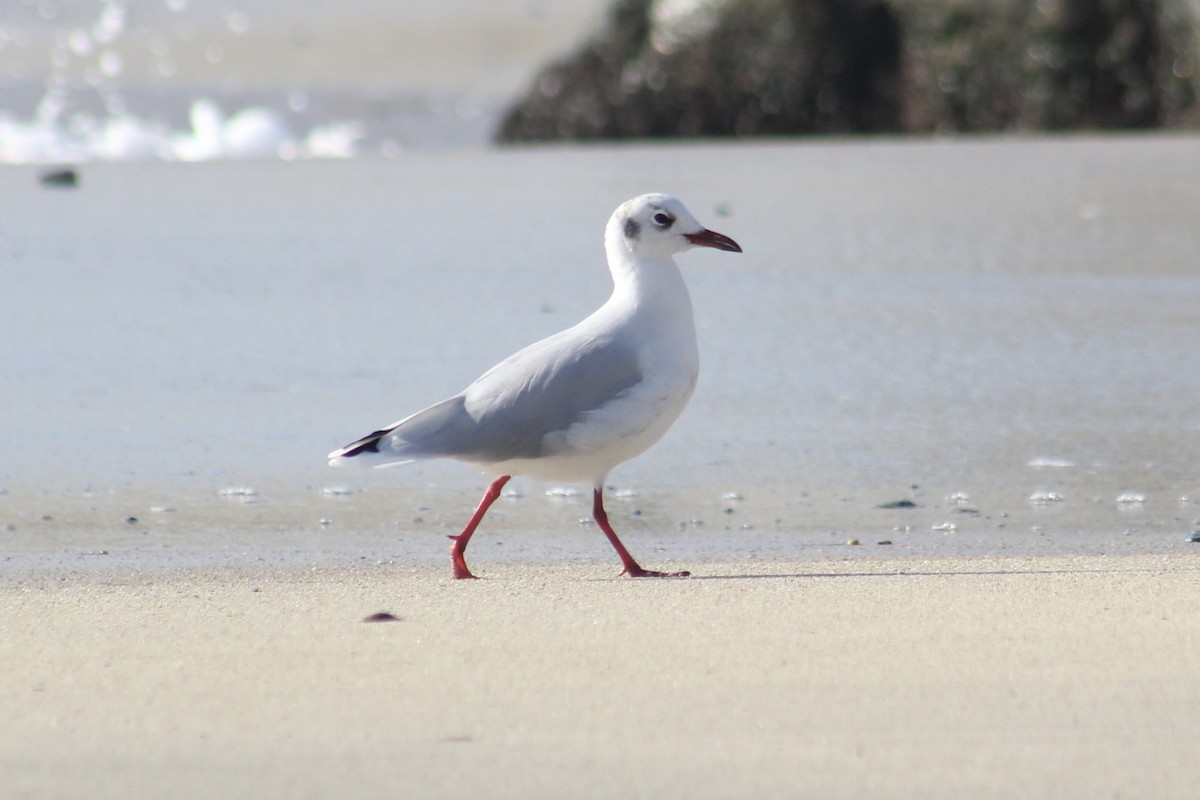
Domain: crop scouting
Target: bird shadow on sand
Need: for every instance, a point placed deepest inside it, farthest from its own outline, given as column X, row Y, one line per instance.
column 927, row 573
column 941, row 573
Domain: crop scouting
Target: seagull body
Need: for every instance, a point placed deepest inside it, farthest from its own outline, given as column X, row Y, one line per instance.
column 572, row 406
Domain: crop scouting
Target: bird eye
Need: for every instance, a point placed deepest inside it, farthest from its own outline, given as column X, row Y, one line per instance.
column 663, row 220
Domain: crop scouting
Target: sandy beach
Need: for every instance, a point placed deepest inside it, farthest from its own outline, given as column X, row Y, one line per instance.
column 935, row 486
column 983, row 677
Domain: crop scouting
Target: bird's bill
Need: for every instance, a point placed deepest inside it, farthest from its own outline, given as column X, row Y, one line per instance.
column 707, row 238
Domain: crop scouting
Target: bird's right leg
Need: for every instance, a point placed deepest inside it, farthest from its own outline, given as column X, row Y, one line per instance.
column 458, row 549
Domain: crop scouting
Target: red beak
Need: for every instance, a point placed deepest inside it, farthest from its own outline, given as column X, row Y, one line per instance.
column 707, row 238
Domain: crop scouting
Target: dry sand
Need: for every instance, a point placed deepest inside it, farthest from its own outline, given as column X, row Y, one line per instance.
column 1064, row 677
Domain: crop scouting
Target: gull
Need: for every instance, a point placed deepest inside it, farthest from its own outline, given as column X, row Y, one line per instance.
column 574, row 405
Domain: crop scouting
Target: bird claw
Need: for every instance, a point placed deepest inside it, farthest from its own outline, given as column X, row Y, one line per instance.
column 458, row 561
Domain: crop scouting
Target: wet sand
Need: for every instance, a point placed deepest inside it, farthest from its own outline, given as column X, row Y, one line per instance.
column 1065, row 677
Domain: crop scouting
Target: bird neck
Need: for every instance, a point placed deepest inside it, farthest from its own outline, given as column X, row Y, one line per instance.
column 649, row 285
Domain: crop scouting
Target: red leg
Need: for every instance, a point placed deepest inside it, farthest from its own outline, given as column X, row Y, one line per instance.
column 632, row 569
column 459, row 547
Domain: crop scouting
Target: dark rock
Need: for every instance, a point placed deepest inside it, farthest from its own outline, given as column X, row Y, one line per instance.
column 744, row 67
column 898, row 504
column 65, row 178
column 1048, row 65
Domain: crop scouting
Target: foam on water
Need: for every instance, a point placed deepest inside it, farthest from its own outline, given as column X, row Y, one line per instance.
column 173, row 80
column 83, row 113
column 252, row 132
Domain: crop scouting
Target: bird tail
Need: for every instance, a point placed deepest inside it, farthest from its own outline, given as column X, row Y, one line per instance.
column 366, row 446
column 406, row 440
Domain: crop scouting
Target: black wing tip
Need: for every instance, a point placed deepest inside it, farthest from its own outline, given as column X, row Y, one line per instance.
column 367, row 444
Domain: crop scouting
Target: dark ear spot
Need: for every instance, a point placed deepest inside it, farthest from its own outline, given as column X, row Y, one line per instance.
column 631, row 229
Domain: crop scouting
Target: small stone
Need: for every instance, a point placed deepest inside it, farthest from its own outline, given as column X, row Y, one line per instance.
column 852, row 542
column 382, row 616
column 64, row 178
column 1194, row 536
column 898, row 504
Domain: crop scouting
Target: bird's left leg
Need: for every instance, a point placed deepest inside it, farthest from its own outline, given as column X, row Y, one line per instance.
column 632, row 568
column 459, row 547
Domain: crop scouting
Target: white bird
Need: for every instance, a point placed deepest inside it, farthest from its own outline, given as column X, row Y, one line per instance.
column 574, row 405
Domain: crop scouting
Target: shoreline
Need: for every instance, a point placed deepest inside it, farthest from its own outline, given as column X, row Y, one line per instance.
column 406, row 525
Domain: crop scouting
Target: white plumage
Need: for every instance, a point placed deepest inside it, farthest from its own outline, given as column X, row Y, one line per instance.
column 574, row 405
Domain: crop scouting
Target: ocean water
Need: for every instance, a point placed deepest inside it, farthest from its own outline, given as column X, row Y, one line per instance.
column 192, row 80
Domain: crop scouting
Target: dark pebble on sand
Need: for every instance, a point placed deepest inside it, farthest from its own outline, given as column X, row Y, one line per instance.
column 60, row 178
column 899, row 504
column 382, row 616
column 1194, row 536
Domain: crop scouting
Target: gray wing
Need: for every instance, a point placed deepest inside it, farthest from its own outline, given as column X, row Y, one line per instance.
column 508, row 413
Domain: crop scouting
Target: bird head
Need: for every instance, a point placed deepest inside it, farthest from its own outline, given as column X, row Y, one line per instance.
column 658, row 226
